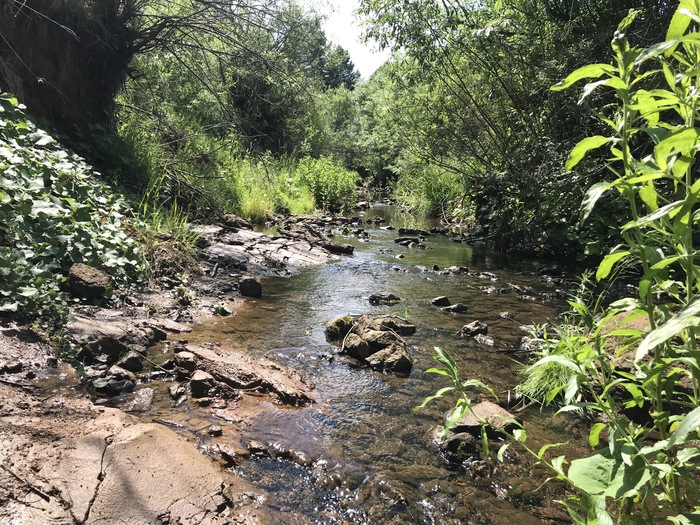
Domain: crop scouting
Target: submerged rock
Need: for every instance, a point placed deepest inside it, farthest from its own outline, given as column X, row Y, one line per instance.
column 458, row 308
column 384, row 298
column 461, row 447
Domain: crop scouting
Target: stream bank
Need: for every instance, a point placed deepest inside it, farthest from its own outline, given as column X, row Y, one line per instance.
column 351, row 450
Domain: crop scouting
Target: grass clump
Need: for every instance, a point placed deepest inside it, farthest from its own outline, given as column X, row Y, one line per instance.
column 548, row 375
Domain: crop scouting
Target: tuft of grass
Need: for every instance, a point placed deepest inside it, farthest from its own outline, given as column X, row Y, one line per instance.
column 548, row 375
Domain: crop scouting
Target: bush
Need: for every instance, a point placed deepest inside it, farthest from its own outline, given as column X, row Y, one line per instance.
column 333, row 187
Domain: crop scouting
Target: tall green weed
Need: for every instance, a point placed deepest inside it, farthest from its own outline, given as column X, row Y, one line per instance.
column 641, row 469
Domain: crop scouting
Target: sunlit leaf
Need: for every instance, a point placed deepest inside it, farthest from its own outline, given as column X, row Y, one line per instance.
column 588, row 71
column 607, row 264
column 685, row 318
column 583, row 147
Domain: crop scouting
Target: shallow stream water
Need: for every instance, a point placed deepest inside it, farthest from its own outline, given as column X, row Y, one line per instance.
column 361, row 455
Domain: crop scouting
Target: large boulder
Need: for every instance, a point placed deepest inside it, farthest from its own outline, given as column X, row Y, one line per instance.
column 337, row 329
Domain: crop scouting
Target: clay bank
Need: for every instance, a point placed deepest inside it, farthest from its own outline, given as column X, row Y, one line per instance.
column 277, row 386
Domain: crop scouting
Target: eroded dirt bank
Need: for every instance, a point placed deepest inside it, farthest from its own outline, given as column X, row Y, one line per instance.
column 64, row 459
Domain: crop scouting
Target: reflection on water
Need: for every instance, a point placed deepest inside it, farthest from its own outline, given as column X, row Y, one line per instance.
column 372, row 459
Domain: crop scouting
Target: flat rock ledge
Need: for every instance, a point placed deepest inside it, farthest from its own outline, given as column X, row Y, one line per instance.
column 233, row 250
column 215, row 369
column 97, row 466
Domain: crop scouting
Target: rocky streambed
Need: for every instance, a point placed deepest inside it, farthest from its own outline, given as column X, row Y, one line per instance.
column 229, row 398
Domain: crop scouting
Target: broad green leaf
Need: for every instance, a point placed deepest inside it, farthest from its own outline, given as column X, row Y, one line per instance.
column 588, row 71
column 689, row 424
column 680, row 142
column 679, row 24
column 655, row 51
column 628, row 479
column 613, row 82
column 594, row 193
column 594, row 434
column 685, row 318
column 583, row 147
column 593, row 474
column 608, row 262
column 649, row 196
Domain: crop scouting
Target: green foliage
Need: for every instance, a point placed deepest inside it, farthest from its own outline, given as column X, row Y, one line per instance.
column 642, row 469
column 467, row 92
column 53, row 213
column 333, row 187
column 431, row 191
column 268, row 185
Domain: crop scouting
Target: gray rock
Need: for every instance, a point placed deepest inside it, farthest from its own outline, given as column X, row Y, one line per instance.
column 441, row 301
column 141, row 401
column 380, row 339
column 473, row 329
column 392, row 359
column 201, row 383
column 132, row 362
column 250, row 287
column 484, row 340
column 355, row 346
column 118, row 373
column 112, row 387
column 186, row 361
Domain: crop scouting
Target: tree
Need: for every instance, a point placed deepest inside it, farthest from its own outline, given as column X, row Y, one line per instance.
column 476, row 78
column 68, row 60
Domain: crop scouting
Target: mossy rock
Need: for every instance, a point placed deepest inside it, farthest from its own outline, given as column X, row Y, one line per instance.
column 338, row 329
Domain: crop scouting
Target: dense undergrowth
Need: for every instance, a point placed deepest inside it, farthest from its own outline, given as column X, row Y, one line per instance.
column 54, row 211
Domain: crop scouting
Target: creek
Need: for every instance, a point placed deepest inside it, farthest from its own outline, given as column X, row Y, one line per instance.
column 360, row 454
